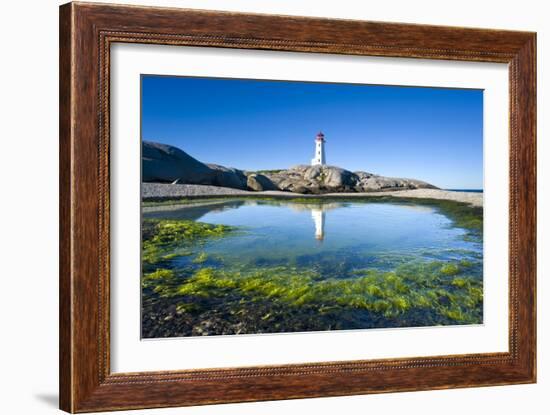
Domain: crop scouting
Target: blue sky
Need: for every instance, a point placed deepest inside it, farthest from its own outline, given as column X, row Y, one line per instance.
column 431, row 134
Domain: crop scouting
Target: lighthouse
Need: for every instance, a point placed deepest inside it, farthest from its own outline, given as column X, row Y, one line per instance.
column 319, row 158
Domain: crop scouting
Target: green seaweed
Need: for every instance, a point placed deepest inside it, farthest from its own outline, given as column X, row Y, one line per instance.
column 200, row 258
column 159, row 274
column 167, row 239
column 459, row 282
column 417, row 286
column 407, row 291
column 169, row 201
column 450, row 269
column 464, row 263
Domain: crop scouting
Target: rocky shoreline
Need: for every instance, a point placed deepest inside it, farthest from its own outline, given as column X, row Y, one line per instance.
column 162, row 163
column 170, row 173
column 162, row 191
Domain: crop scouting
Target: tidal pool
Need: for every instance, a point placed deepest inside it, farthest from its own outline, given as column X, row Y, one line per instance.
column 249, row 266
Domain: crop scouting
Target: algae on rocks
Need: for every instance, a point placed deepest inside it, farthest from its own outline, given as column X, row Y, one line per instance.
column 164, row 239
column 188, row 290
column 414, row 294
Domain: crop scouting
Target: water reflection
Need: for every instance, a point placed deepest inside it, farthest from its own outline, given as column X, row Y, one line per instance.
column 318, row 216
column 196, row 212
column 318, row 212
column 309, row 264
column 341, row 235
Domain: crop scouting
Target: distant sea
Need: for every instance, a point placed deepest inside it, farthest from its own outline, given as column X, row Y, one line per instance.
column 466, row 190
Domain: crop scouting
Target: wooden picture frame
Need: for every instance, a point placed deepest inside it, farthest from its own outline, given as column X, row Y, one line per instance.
column 86, row 33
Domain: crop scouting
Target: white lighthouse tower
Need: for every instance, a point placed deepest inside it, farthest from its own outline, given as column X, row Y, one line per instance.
column 319, row 158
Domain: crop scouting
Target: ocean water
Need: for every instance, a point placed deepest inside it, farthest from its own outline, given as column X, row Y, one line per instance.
column 466, row 190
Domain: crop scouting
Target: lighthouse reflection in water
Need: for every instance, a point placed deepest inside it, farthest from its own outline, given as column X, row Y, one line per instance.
column 325, row 250
column 319, row 219
column 282, row 231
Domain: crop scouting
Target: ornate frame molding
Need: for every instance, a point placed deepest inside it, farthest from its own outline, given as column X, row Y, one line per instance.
column 86, row 33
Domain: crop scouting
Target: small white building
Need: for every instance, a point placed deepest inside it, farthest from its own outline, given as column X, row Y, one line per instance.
column 319, row 159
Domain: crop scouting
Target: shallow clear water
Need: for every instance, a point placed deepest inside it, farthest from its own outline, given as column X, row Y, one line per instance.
column 379, row 235
column 292, row 266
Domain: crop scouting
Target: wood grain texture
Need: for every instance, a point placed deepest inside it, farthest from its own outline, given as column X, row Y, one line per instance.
column 65, row 246
column 86, row 33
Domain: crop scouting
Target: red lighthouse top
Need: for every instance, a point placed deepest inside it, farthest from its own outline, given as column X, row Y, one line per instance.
column 320, row 136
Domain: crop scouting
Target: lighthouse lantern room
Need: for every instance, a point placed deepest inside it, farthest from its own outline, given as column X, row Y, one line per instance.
column 319, row 158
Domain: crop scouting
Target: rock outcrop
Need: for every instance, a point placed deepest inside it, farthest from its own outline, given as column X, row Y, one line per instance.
column 330, row 179
column 228, row 177
column 260, row 182
column 163, row 163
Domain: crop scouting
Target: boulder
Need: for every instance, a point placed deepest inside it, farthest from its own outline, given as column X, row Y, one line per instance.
column 337, row 178
column 228, row 177
column 362, row 175
column 313, row 173
column 296, row 185
column 259, row 182
column 314, row 179
column 162, row 163
column 375, row 183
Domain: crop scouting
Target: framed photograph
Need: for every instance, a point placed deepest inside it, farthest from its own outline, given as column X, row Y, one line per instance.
column 258, row 207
